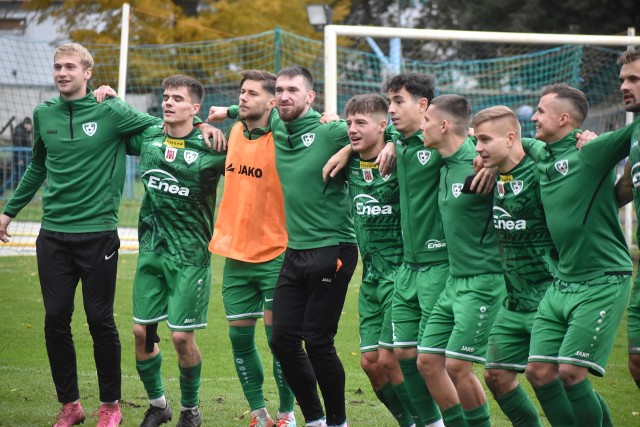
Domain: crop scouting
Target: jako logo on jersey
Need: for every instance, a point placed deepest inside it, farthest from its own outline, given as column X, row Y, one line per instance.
column 250, row 171
column 307, row 139
column 90, row 128
column 517, row 186
column 635, row 175
column 562, row 166
column 456, row 189
column 423, row 156
column 230, row 168
column 170, row 154
column 502, row 220
column 435, row 244
column 190, row 156
column 161, row 184
column 366, row 207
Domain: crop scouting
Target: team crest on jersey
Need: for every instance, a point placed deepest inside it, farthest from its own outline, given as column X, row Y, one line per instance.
column 562, row 166
column 635, row 175
column 500, row 188
column 90, row 128
column 170, row 154
column 190, row 156
column 367, row 174
column 456, row 189
column 307, row 139
column 516, row 186
column 424, row 156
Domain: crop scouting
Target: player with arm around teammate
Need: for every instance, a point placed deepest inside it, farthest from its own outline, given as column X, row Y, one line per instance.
column 528, row 255
column 173, row 275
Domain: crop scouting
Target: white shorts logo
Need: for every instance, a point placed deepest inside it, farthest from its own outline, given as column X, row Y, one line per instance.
column 190, row 156
column 307, row 139
column 90, row 128
column 456, row 189
column 562, row 166
column 424, row 156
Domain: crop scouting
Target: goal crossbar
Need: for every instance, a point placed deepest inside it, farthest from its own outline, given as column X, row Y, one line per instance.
column 331, row 33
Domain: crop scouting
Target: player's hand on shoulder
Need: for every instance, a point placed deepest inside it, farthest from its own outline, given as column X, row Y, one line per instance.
column 217, row 114
column 484, row 181
column 584, row 137
column 103, row 92
column 387, row 158
column 336, row 163
column 329, row 117
column 213, row 137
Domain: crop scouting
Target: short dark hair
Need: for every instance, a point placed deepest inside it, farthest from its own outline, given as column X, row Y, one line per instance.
column 418, row 85
column 629, row 56
column 456, row 106
column 368, row 103
column 576, row 98
column 194, row 87
column 297, row 70
column 267, row 79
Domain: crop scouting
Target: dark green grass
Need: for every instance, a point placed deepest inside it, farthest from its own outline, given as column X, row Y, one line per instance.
column 27, row 395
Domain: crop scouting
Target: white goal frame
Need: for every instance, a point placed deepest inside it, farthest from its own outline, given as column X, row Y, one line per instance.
column 331, row 33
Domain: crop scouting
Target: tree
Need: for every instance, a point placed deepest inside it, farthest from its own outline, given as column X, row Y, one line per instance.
column 180, row 21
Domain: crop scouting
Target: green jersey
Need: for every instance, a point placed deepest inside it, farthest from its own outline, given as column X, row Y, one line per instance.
column 79, row 149
column 376, row 213
column 467, row 218
column 634, row 159
column 529, row 257
column 418, row 174
column 180, row 176
column 577, row 191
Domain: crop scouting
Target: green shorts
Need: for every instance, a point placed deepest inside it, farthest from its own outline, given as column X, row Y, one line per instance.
column 374, row 310
column 165, row 290
column 417, row 289
column 633, row 318
column 462, row 318
column 247, row 288
column 577, row 322
column 509, row 339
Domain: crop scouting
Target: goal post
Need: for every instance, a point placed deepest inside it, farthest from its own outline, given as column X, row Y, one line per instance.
column 331, row 33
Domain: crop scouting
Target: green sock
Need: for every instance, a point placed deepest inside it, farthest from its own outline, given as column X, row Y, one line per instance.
column 151, row 376
column 420, row 396
column 454, row 417
column 387, row 395
column 555, row 404
column 403, row 394
column 248, row 364
column 287, row 399
column 586, row 406
column 517, row 406
column 607, row 420
column 190, row 385
column 478, row 417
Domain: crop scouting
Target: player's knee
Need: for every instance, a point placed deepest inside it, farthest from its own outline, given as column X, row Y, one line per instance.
column 634, row 367
column 499, row 381
column 242, row 338
column 183, row 341
column 539, row 374
column 139, row 335
column 319, row 348
column 458, row 369
column 369, row 363
column 572, row 374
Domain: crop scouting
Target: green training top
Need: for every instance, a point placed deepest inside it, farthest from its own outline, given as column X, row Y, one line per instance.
column 634, row 157
column 180, row 177
column 318, row 213
column 79, row 149
column 418, row 175
column 577, row 191
column 529, row 257
column 376, row 215
column 467, row 218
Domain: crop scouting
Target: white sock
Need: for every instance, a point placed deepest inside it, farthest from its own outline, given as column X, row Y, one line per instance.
column 160, row 402
column 260, row 413
column 282, row 414
column 438, row 423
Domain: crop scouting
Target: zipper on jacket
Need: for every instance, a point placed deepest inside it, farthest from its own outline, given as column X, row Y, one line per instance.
column 70, row 119
column 593, row 198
